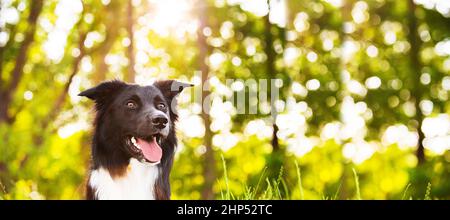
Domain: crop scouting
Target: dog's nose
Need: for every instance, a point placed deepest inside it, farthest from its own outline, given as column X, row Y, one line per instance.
column 159, row 121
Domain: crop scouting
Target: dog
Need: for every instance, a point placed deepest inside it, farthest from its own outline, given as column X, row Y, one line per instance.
column 134, row 140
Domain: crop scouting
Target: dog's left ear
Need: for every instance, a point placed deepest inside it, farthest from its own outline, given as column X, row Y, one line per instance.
column 171, row 88
column 104, row 91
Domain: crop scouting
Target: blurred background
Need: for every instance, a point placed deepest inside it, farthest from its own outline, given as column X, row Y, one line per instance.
column 364, row 107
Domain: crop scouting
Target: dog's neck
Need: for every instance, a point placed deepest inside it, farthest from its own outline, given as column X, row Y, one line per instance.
column 113, row 160
column 114, row 175
column 137, row 182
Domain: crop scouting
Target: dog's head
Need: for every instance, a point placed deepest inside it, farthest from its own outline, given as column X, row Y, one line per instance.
column 140, row 118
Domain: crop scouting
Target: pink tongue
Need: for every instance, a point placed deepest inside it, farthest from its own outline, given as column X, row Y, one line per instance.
column 152, row 151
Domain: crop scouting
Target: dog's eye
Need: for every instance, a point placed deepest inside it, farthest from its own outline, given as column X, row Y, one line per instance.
column 131, row 105
column 161, row 106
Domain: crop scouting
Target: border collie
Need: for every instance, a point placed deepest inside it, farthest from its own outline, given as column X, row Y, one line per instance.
column 134, row 139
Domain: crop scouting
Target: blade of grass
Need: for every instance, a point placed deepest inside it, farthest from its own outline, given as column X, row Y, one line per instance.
column 406, row 190
column 277, row 190
column 280, row 175
column 428, row 192
column 277, row 183
column 259, row 181
column 268, row 194
column 221, row 190
column 337, row 191
column 299, row 177
column 358, row 193
column 227, row 196
column 248, row 193
column 232, row 197
column 286, row 189
column 325, row 197
column 2, row 191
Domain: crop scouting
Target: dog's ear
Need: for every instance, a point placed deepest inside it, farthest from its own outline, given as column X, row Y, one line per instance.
column 104, row 90
column 171, row 88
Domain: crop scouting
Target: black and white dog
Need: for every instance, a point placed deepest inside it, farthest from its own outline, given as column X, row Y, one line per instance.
column 134, row 140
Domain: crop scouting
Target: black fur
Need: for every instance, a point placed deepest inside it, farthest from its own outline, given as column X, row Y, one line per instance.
column 114, row 121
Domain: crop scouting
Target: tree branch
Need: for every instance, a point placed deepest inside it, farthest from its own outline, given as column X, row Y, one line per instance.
column 129, row 75
column 103, row 49
column 12, row 35
column 58, row 105
column 416, row 66
column 209, row 171
column 7, row 92
column 36, row 8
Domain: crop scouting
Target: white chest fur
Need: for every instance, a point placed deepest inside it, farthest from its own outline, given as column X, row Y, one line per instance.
column 138, row 183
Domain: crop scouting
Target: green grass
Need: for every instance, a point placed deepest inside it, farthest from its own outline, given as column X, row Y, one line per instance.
column 276, row 189
column 227, row 195
column 405, row 191
column 428, row 192
column 358, row 192
column 299, row 179
column 336, row 194
column 2, row 190
column 250, row 191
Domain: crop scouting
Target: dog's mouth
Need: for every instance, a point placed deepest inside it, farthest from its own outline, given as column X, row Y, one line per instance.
column 146, row 149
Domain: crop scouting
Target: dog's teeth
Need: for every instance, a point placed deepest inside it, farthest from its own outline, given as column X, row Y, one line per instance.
column 133, row 140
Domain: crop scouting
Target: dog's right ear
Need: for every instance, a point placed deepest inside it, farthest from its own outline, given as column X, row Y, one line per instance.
column 104, row 91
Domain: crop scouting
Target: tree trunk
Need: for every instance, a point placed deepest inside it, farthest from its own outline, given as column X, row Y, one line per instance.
column 61, row 99
column 416, row 67
column 4, row 117
column 346, row 16
column 129, row 75
column 101, row 68
column 276, row 159
column 270, row 68
column 209, row 172
column 12, row 35
column 59, row 103
column 7, row 92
